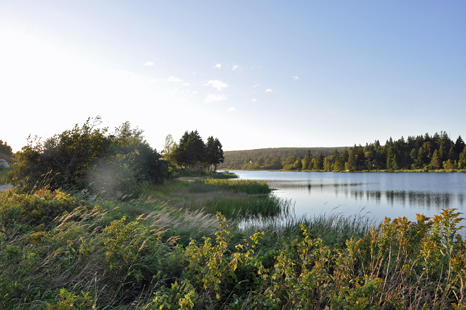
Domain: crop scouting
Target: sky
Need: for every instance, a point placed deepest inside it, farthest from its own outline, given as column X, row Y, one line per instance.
column 254, row 74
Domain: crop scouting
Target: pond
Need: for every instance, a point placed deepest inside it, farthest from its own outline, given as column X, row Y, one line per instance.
column 373, row 194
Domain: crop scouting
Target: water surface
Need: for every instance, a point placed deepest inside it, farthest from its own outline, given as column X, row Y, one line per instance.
column 373, row 193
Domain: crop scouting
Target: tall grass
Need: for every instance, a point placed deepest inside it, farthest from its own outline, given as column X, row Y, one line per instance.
column 238, row 206
column 333, row 228
column 95, row 256
column 243, row 186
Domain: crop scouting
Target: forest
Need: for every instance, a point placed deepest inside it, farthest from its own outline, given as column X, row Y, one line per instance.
column 416, row 153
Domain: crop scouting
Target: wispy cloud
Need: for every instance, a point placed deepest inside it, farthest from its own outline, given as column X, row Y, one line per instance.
column 194, row 92
column 215, row 98
column 149, row 63
column 235, row 67
column 216, row 84
column 268, row 90
column 333, row 111
column 257, row 85
column 185, row 84
column 231, row 109
column 295, row 77
column 254, row 100
column 218, row 66
column 174, row 79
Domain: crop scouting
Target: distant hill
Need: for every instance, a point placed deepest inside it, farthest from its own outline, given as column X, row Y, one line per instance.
column 235, row 159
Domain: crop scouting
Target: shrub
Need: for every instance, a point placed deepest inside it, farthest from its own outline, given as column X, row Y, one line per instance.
column 88, row 156
column 40, row 208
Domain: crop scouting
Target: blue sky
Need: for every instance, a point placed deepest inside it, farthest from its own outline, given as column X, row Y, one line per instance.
column 254, row 74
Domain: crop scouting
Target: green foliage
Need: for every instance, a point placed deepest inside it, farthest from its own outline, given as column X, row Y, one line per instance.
column 421, row 152
column 91, row 257
column 3, row 174
column 169, row 149
column 180, row 297
column 243, row 186
column 88, row 157
column 240, row 207
column 193, row 154
column 6, row 152
column 70, row 301
column 40, row 208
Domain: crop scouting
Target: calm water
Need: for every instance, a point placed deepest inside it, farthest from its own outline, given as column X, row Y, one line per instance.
column 377, row 194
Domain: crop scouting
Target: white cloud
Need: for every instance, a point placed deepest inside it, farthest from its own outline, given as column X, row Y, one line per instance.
column 268, row 90
column 194, row 92
column 149, row 63
column 185, row 84
column 295, row 77
column 254, row 100
column 235, row 67
column 231, row 109
column 215, row 98
column 174, row 79
column 333, row 111
column 216, row 84
column 257, row 85
column 218, row 66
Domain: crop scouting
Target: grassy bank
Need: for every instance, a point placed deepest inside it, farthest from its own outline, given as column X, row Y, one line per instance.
column 169, row 249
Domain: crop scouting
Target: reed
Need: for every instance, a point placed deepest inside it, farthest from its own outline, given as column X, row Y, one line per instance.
column 243, row 186
column 238, row 206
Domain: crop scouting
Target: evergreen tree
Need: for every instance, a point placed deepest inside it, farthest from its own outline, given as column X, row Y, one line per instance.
column 182, row 151
column 218, row 158
column 459, row 145
column 338, row 163
column 210, row 152
column 319, row 162
column 307, row 161
column 277, row 162
column 298, row 164
column 435, row 162
column 350, row 165
column 327, row 164
column 462, row 160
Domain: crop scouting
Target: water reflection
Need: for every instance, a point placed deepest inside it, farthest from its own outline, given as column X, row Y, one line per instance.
column 357, row 191
column 381, row 194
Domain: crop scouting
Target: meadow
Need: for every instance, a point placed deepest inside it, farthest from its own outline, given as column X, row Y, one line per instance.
column 184, row 245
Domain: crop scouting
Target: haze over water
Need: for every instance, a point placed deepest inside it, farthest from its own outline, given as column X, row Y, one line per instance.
column 375, row 194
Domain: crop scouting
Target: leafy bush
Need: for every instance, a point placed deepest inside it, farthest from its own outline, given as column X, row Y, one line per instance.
column 40, row 208
column 89, row 157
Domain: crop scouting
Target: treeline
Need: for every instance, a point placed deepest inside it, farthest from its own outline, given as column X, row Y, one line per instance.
column 263, row 158
column 191, row 153
column 422, row 152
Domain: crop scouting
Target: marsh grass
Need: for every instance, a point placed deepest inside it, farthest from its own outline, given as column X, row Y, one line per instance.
column 236, row 206
column 333, row 228
column 243, row 186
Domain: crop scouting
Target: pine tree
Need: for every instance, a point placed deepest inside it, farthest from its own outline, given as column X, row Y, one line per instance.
column 435, row 162
column 307, row 161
